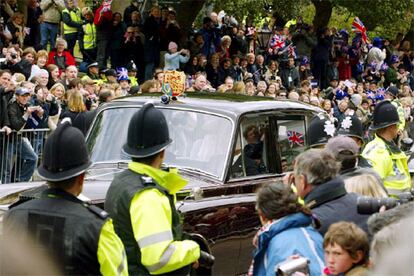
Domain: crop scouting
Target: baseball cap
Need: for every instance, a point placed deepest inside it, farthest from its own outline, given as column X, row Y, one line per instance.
column 22, row 91
column 343, row 147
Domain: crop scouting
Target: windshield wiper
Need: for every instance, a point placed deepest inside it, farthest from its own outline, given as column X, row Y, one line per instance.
column 120, row 164
column 192, row 169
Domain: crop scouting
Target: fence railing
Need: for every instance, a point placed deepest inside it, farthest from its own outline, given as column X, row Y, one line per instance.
column 21, row 152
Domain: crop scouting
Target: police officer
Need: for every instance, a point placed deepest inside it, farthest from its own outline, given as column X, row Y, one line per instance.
column 79, row 237
column 141, row 200
column 351, row 127
column 320, row 130
column 384, row 155
column 391, row 95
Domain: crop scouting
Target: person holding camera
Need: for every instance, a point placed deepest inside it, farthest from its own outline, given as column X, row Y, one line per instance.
column 288, row 230
column 174, row 57
column 20, row 112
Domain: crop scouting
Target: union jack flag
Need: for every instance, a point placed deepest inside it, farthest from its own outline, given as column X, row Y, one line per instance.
column 370, row 95
column 277, row 42
column 122, row 74
column 106, row 5
column 295, row 138
column 358, row 27
column 291, row 51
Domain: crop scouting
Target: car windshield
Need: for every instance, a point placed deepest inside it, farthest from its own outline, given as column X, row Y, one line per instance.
column 201, row 141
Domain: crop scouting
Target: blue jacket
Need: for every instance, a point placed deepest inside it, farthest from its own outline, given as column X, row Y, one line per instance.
column 291, row 235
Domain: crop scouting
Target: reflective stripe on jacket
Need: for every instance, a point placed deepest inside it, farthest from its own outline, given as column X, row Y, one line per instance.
column 401, row 114
column 75, row 17
column 390, row 165
column 111, row 252
column 89, row 36
column 159, row 252
column 141, row 201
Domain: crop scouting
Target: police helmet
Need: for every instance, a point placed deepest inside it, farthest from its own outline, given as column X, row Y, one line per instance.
column 385, row 114
column 392, row 90
column 320, row 130
column 65, row 154
column 351, row 126
column 147, row 133
column 131, row 67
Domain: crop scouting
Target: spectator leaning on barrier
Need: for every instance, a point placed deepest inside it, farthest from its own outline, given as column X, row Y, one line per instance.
column 22, row 116
column 315, row 177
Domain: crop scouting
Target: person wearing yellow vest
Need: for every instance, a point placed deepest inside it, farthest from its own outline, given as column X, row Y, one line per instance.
column 384, row 155
column 72, row 24
column 87, row 39
column 391, row 94
column 152, row 233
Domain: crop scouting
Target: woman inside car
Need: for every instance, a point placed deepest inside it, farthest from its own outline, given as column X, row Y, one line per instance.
column 287, row 232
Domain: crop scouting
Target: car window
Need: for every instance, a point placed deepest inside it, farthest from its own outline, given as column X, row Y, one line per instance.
column 250, row 155
column 291, row 139
column 201, row 141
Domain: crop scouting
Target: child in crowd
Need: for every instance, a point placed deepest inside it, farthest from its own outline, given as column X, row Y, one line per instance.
column 346, row 250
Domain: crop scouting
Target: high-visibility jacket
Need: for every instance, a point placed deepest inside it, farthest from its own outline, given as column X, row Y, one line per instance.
column 75, row 16
column 141, row 201
column 79, row 237
column 390, row 163
column 134, row 81
column 89, row 36
column 401, row 114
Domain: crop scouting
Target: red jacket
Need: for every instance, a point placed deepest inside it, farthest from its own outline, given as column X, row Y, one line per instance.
column 102, row 16
column 68, row 59
column 344, row 68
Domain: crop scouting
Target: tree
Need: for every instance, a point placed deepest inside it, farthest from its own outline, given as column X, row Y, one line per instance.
column 323, row 11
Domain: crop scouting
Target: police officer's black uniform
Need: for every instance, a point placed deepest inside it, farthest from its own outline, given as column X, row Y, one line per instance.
column 79, row 237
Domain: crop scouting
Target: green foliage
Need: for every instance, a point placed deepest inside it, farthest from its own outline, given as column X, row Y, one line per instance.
column 254, row 9
column 383, row 18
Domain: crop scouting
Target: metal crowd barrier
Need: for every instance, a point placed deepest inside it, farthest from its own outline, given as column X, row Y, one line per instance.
column 21, row 153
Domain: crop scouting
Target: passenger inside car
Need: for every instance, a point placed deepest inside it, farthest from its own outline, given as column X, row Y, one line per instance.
column 253, row 151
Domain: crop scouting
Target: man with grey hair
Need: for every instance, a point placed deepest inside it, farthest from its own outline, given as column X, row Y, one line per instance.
column 315, row 177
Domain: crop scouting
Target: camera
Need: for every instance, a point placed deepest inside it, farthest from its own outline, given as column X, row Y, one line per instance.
column 291, row 266
column 13, row 56
column 369, row 205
